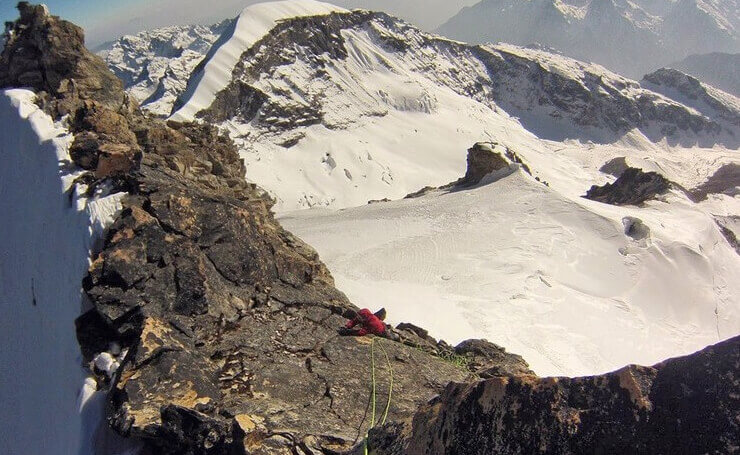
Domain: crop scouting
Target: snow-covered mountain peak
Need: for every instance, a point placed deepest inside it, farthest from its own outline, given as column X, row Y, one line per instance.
column 251, row 25
column 155, row 65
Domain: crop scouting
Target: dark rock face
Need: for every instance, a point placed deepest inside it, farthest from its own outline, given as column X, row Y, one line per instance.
column 633, row 187
column 48, row 55
column 685, row 405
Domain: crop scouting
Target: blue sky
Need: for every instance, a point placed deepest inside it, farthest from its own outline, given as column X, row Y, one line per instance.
column 104, row 20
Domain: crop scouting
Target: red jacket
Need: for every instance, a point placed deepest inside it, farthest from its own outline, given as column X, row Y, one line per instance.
column 369, row 322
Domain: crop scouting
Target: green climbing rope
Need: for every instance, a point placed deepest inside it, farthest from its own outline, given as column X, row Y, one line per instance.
column 372, row 395
column 390, row 386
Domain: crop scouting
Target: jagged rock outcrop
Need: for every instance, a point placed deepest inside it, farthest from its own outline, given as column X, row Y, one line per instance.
column 225, row 322
column 49, row 55
column 482, row 160
column 487, row 161
column 633, row 187
column 683, row 405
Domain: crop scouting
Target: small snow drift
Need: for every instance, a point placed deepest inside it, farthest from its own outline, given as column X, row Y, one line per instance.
column 636, row 229
column 633, row 187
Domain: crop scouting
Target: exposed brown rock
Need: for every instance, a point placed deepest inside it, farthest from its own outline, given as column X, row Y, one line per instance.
column 482, row 160
column 48, row 54
column 685, row 405
column 633, row 187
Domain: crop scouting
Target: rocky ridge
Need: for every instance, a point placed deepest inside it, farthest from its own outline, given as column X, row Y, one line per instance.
column 212, row 304
column 692, row 92
column 683, row 405
column 717, row 69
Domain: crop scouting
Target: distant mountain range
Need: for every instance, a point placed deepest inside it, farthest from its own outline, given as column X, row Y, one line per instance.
column 630, row 37
column 156, row 64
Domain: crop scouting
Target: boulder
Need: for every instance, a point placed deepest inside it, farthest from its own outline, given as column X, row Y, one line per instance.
column 483, row 159
column 633, row 187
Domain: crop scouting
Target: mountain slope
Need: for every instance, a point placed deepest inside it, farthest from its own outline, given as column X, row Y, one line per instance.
column 691, row 92
column 628, row 37
column 356, row 106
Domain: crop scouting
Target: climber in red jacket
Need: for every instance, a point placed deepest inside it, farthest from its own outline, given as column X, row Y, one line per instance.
column 368, row 323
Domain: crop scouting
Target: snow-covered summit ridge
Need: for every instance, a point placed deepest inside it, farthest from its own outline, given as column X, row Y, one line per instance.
column 251, row 25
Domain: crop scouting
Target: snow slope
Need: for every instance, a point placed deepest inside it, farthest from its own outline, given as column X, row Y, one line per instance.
column 253, row 23
column 550, row 276
column 46, row 237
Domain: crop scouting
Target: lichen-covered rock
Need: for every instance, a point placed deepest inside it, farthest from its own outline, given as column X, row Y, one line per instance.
column 633, row 187
column 684, row 405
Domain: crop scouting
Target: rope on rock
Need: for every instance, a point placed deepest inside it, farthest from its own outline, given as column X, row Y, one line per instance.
column 372, row 395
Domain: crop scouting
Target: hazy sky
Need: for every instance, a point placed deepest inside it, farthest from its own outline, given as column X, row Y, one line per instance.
column 104, row 20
